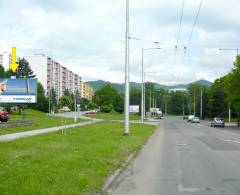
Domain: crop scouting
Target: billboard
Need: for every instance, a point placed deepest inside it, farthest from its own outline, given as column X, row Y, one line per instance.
column 154, row 109
column 134, row 109
column 18, row 90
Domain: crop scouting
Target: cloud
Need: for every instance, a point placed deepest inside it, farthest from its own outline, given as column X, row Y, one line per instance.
column 88, row 36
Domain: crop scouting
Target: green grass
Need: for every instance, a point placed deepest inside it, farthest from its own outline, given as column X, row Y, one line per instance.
column 40, row 121
column 113, row 116
column 77, row 163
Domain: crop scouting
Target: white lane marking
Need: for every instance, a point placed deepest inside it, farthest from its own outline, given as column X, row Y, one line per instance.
column 181, row 188
column 229, row 140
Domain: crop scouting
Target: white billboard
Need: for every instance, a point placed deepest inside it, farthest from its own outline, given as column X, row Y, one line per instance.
column 134, row 109
column 154, row 109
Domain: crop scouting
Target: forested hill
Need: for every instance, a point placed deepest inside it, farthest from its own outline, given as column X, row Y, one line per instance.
column 120, row 86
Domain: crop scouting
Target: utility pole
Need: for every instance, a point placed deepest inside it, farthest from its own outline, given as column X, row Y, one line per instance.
column 201, row 108
column 183, row 106
column 144, row 107
column 143, row 84
column 150, row 100
column 194, row 104
column 229, row 112
column 166, row 106
column 126, row 104
column 142, row 97
column 75, row 107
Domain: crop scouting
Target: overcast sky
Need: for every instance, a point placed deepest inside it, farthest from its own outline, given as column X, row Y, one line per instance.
column 88, row 36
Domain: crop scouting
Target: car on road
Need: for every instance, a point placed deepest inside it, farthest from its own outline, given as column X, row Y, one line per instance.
column 4, row 116
column 185, row 117
column 91, row 112
column 218, row 122
column 195, row 120
column 190, row 117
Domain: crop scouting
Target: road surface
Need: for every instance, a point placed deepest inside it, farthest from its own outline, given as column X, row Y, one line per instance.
column 183, row 158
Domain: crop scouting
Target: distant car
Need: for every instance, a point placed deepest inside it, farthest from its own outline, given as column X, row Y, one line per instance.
column 92, row 112
column 4, row 116
column 190, row 117
column 185, row 117
column 218, row 122
column 195, row 120
column 159, row 114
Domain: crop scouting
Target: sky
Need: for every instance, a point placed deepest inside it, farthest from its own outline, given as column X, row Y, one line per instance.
column 88, row 36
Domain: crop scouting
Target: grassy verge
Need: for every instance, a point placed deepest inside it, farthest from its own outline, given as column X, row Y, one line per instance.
column 73, row 164
column 112, row 116
column 40, row 121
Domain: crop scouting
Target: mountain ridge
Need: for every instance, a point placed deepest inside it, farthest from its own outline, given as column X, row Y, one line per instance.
column 120, row 86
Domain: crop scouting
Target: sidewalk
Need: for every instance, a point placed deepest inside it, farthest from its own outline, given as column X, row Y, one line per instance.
column 13, row 136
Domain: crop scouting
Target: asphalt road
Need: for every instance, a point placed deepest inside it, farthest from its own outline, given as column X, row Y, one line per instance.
column 183, row 158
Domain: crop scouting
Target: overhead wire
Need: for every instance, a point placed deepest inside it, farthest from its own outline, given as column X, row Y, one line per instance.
column 178, row 37
column 194, row 24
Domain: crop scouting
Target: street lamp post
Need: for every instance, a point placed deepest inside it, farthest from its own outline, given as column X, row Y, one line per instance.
column 126, row 104
column 143, row 89
column 201, row 104
column 75, row 107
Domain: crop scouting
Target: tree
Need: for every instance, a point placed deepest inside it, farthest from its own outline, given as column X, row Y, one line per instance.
column 42, row 101
column 232, row 87
column 175, row 103
column 24, row 70
column 107, row 97
column 2, row 71
column 65, row 101
column 217, row 99
column 66, row 92
column 53, row 99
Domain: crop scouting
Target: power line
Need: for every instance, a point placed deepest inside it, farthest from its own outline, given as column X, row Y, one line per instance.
column 195, row 22
column 180, row 23
column 178, row 36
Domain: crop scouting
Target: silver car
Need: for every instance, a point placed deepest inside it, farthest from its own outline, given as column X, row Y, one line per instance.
column 195, row 120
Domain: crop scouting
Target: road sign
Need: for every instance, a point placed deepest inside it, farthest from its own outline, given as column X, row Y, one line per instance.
column 14, row 66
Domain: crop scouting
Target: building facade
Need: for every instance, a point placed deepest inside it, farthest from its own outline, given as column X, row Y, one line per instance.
column 87, row 91
column 5, row 59
column 52, row 74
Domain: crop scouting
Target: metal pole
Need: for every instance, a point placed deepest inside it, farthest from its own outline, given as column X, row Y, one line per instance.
column 201, row 109
column 126, row 105
column 183, row 106
column 75, row 107
column 194, row 104
column 144, row 97
column 150, row 99
column 229, row 112
column 142, row 107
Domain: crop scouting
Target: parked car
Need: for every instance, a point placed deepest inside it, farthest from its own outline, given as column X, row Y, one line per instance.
column 218, row 122
column 190, row 117
column 185, row 117
column 4, row 116
column 195, row 120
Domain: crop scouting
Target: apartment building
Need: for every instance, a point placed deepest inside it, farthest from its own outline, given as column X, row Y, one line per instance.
column 86, row 91
column 54, row 75
column 5, row 59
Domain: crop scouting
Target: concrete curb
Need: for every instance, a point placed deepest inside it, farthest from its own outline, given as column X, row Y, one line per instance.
column 117, row 173
column 113, row 177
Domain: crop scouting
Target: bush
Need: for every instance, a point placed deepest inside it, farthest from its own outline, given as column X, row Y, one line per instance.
column 107, row 108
